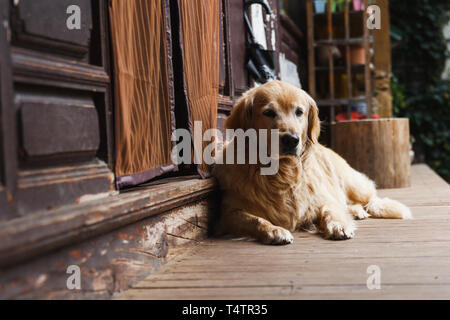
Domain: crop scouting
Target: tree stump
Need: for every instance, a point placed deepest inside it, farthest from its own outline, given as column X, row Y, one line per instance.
column 378, row 148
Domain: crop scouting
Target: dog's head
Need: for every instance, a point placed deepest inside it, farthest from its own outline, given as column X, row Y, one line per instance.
column 279, row 105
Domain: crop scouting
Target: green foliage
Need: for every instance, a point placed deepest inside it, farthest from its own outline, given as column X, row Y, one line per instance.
column 418, row 91
column 398, row 96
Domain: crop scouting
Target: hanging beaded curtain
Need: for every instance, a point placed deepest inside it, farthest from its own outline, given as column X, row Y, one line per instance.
column 144, row 100
column 200, row 36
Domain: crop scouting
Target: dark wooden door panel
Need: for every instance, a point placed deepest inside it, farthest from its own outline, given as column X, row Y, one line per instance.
column 58, row 125
column 43, row 23
column 55, row 187
column 38, row 68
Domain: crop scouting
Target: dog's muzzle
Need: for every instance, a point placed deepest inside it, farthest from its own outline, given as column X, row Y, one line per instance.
column 289, row 143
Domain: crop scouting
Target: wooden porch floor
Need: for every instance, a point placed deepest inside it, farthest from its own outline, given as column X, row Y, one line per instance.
column 413, row 257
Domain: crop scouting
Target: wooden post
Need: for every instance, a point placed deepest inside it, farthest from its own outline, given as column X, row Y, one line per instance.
column 382, row 59
column 311, row 58
column 377, row 148
column 347, row 59
column 367, row 73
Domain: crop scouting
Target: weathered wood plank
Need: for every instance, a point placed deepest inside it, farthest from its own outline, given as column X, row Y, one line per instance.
column 112, row 262
column 292, row 292
column 29, row 236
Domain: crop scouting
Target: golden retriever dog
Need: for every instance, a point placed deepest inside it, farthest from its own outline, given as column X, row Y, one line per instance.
column 313, row 188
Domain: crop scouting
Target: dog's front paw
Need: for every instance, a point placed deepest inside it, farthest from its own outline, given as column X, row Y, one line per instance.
column 338, row 231
column 278, row 236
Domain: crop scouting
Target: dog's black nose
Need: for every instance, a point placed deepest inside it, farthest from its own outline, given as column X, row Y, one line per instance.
column 290, row 141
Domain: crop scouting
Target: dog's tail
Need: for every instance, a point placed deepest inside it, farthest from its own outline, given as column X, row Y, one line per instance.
column 388, row 209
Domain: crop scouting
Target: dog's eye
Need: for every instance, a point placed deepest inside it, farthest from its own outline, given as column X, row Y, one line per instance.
column 299, row 112
column 270, row 113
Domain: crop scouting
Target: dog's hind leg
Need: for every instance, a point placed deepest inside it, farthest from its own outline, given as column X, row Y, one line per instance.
column 361, row 190
column 388, row 209
column 241, row 223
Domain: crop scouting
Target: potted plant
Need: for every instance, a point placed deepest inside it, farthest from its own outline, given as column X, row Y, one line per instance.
column 357, row 55
column 320, row 6
column 341, row 4
column 333, row 5
column 358, row 5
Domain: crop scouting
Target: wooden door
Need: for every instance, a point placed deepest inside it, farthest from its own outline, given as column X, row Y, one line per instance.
column 55, row 108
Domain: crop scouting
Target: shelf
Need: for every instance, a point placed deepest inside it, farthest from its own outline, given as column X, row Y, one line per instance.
column 360, row 67
column 340, row 14
column 337, row 42
column 346, row 29
column 343, row 101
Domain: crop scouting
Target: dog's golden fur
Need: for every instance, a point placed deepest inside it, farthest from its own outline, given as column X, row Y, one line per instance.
column 314, row 187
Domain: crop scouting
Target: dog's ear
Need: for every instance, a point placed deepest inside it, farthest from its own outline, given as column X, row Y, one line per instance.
column 241, row 115
column 313, row 121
